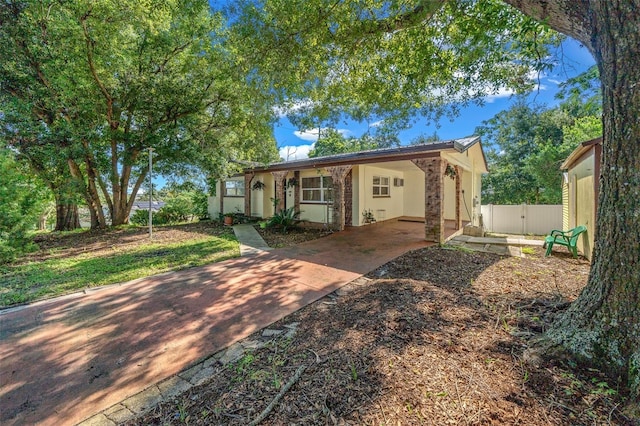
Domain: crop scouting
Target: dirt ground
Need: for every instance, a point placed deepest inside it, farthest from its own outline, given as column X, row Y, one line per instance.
column 436, row 337
column 276, row 238
column 98, row 242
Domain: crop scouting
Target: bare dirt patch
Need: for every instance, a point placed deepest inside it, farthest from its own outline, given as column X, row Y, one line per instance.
column 277, row 239
column 435, row 337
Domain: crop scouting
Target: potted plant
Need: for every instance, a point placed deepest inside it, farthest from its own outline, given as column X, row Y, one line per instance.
column 228, row 219
column 368, row 217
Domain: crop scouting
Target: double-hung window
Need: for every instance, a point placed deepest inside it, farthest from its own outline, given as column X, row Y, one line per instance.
column 234, row 188
column 381, row 186
column 317, row 189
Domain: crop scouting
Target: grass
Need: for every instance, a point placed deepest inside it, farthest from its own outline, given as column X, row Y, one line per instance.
column 26, row 282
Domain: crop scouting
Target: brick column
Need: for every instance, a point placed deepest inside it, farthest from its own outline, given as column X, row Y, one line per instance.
column 458, row 170
column 296, row 194
column 338, row 175
column 280, row 193
column 348, row 199
column 248, row 177
column 433, row 169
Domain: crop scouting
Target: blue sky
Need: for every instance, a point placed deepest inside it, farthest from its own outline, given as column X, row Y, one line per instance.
column 572, row 59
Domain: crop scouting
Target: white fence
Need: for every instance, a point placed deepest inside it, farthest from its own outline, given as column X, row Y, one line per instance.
column 522, row 218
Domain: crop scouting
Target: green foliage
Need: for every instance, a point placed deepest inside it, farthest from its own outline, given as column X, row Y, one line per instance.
column 387, row 60
column 332, row 142
column 23, row 199
column 35, row 280
column 141, row 217
column 285, row 219
column 526, row 146
column 93, row 84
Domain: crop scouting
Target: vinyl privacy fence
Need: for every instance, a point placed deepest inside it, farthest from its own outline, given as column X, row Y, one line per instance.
column 522, row 218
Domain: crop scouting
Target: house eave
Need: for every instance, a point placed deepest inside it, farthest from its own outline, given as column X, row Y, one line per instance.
column 373, row 156
column 577, row 153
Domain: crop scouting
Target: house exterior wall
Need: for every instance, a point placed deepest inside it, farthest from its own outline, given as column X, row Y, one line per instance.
column 356, row 196
column 383, row 208
column 449, row 198
column 313, row 212
column 414, row 193
column 407, row 200
column 565, row 205
column 468, row 191
column 582, row 200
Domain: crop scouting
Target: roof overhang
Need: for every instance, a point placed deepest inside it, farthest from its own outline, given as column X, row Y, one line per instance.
column 429, row 150
column 577, row 153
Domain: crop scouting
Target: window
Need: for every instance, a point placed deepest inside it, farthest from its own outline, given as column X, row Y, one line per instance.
column 234, row 188
column 381, row 186
column 317, row 189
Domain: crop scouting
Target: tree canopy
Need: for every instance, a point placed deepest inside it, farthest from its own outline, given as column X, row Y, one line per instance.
column 332, row 142
column 526, row 146
column 89, row 86
column 388, row 60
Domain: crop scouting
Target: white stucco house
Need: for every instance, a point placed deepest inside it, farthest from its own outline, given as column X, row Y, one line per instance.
column 438, row 183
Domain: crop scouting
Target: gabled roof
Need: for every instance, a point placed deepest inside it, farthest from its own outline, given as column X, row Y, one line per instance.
column 579, row 152
column 375, row 155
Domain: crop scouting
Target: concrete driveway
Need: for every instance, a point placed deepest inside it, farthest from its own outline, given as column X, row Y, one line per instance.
column 65, row 359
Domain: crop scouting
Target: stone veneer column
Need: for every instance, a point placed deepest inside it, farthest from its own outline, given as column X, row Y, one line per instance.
column 280, row 193
column 433, row 169
column 348, row 199
column 458, row 170
column 248, row 177
column 338, row 175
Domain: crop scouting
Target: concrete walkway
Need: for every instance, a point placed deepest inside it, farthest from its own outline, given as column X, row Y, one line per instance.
column 251, row 243
column 64, row 360
column 506, row 246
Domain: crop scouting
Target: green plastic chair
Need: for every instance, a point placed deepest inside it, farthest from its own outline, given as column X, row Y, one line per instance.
column 568, row 239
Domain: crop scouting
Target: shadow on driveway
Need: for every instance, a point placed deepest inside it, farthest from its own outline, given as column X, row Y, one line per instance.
column 68, row 358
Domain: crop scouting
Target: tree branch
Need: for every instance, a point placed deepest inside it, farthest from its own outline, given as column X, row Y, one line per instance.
column 569, row 17
column 83, row 21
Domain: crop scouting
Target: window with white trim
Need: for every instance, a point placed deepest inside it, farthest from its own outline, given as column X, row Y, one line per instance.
column 381, row 186
column 318, row 189
column 234, row 188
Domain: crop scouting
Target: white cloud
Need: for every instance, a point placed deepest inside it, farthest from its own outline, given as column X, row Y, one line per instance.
column 377, row 123
column 292, row 107
column 298, row 152
column 307, row 135
column 558, row 82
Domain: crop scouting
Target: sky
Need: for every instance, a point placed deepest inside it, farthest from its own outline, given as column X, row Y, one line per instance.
column 572, row 59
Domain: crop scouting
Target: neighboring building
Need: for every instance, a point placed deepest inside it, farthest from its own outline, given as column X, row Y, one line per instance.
column 144, row 205
column 580, row 191
column 433, row 182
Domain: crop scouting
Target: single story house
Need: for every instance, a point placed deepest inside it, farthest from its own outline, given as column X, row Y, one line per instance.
column 438, row 183
column 580, row 190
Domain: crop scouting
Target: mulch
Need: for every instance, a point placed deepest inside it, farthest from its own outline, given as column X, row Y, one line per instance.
column 437, row 336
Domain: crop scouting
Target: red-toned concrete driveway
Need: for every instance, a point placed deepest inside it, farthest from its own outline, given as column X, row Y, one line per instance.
column 66, row 359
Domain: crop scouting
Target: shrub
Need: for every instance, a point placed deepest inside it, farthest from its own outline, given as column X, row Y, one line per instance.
column 141, row 217
column 285, row 219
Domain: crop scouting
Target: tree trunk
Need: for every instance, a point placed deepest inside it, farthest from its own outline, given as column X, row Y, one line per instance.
column 67, row 218
column 602, row 326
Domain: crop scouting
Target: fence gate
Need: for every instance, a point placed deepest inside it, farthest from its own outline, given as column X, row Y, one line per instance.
column 521, row 219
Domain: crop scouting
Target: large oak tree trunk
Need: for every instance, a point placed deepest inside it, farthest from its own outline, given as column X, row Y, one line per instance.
column 67, row 218
column 603, row 325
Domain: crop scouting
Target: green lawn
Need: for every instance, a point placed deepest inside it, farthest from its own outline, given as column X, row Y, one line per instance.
column 29, row 281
